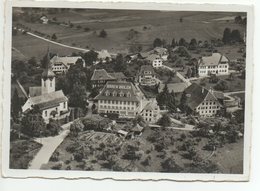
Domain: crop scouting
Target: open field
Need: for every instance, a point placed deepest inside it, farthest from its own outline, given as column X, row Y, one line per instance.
column 148, row 24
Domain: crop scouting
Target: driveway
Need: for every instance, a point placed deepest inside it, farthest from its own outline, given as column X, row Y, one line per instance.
column 49, row 145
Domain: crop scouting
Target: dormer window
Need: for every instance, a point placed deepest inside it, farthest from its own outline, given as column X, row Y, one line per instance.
column 128, row 94
column 107, row 93
column 121, row 94
column 114, row 93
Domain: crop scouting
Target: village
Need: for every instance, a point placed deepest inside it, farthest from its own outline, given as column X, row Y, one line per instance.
column 176, row 106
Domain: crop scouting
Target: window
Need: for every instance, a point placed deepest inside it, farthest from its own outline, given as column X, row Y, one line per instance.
column 64, row 105
column 46, row 113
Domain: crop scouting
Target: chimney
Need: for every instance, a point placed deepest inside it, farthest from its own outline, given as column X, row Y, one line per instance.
column 202, row 90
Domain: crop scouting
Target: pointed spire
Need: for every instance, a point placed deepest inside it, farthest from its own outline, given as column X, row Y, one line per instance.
column 48, row 73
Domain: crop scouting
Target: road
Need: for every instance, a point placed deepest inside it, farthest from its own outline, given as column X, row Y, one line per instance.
column 230, row 93
column 49, row 145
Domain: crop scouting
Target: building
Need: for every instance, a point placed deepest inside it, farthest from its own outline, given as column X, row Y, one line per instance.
column 151, row 112
column 122, row 98
column 62, row 64
column 162, row 52
column 202, row 101
column 147, row 76
column 100, row 77
column 215, row 64
column 177, row 88
column 44, row 19
column 52, row 103
column 155, row 60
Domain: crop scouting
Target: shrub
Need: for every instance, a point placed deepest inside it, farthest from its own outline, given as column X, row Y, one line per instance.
column 78, row 155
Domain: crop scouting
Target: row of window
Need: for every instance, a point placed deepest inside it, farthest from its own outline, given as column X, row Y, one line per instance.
column 213, row 67
column 209, row 112
column 117, row 102
column 210, row 107
column 209, row 103
column 115, row 107
column 121, row 94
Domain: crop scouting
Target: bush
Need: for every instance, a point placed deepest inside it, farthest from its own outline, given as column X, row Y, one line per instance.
column 78, row 155
column 103, row 34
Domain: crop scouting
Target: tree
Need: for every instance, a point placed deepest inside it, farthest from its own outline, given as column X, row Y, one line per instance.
column 135, row 48
column 165, row 120
column 78, row 95
column 236, row 36
column 238, row 19
column 53, row 128
column 54, row 37
column 182, row 42
column 33, row 124
column 90, row 57
column 76, row 127
column 171, row 103
column 174, row 43
column 157, row 42
column 16, row 104
column 221, row 86
column 163, row 96
column 193, row 44
column 120, row 65
column 169, row 165
column 103, row 34
column 226, row 36
column 188, row 73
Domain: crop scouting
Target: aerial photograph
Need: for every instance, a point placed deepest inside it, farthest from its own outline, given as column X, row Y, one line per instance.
column 127, row 90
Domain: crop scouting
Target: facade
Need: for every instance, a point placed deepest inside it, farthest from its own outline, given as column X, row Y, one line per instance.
column 162, row 52
column 100, row 77
column 147, row 76
column 122, row 98
column 155, row 60
column 62, row 64
column 202, row 101
column 215, row 64
column 151, row 112
column 52, row 104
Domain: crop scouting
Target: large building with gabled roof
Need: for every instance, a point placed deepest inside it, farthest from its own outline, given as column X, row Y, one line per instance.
column 215, row 64
column 122, row 98
column 52, row 103
column 203, row 101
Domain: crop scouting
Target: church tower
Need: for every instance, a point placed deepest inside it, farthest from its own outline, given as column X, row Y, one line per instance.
column 48, row 77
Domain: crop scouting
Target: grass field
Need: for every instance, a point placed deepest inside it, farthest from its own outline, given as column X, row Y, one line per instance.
column 165, row 25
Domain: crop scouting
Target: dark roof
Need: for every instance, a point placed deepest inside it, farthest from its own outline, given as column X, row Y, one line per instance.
column 175, row 87
column 196, row 94
column 101, row 74
column 146, row 68
column 117, row 88
column 47, row 72
column 48, row 100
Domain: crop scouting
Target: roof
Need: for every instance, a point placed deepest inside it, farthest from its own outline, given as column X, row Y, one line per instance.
column 144, row 54
column 122, row 132
column 175, row 87
column 146, row 68
column 150, row 106
column 48, row 100
column 160, row 50
column 35, row 91
column 137, row 128
column 47, row 72
column 117, row 75
column 195, row 95
column 103, row 54
column 65, row 59
column 214, row 59
column 153, row 57
column 101, row 74
column 118, row 91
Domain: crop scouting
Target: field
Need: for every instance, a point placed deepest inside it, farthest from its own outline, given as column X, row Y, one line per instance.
column 147, row 24
column 106, row 151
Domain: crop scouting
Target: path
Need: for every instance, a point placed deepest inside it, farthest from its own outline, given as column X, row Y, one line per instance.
column 49, row 145
column 230, row 93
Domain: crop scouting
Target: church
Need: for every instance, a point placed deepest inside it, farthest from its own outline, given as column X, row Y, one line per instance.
column 52, row 103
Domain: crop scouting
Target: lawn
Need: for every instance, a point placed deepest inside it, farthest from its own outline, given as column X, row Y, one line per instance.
column 22, row 152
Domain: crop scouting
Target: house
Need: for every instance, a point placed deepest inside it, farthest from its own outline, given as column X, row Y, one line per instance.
column 151, row 112
column 44, row 19
column 202, row 101
column 122, row 98
column 155, row 60
column 62, row 64
column 147, row 76
column 215, row 64
column 52, row 103
column 103, row 56
column 162, row 52
column 177, row 88
column 100, row 77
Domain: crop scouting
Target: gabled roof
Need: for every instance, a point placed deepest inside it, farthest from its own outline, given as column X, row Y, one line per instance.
column 214, row 59
column 146, row 68
column 118, row 88
column 153, row 57
column 65, row 59
column 48, row 100
column 175, row 87
column 160, row 50
column 150, row 106
column 118, row 75
column 101, row 74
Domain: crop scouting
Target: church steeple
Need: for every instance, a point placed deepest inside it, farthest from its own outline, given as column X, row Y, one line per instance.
column 48, row 76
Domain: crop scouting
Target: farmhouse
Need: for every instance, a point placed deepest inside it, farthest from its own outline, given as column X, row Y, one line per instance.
column 122, row 98
column 147, row 76
column 162, row 52
column 202, row 101
column 215, row 64
column 155, row 60
column 103, row 56
column 100, row 77
column 52, row 104
column 62, row 64
column 151, row 112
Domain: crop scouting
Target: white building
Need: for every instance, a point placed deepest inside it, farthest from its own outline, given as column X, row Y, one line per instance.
column 103, row 56
column 62, row 64
column 215, row 64
column 52, row 104
column 44, row 19
column 155, row 60
column 147, row 76
column 151, row 112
